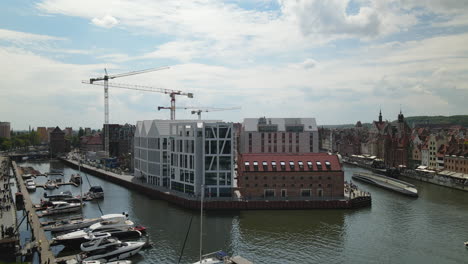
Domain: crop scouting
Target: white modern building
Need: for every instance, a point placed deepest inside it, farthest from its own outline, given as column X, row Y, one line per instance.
column 279, row 135
column 181, row 155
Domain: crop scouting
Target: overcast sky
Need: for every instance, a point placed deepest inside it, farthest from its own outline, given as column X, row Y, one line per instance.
column 338, row 61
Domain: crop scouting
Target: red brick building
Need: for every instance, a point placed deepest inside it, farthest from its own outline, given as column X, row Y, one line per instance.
column 300, row 175
column 58, row 143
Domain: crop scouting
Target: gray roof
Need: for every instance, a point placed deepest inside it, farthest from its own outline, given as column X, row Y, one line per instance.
column 250, row 124
column 159, row 127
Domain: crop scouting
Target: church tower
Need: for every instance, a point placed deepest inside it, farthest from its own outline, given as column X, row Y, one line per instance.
column 380, row 116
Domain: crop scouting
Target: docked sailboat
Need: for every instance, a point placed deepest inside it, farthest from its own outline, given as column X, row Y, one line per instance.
column 107, row 248
column 116, row 224
column 76, row 178
column 220, row 257
column 95, row 192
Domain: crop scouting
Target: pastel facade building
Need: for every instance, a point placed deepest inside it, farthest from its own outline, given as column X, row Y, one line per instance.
column 183, row 155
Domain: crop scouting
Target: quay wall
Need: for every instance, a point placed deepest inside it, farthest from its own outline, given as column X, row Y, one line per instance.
column 235, row 205
column 438, row 179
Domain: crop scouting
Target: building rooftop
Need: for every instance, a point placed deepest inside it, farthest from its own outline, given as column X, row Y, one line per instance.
column 289, row 162
column 251, row 124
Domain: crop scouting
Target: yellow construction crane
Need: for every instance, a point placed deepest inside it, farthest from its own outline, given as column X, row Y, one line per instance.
column 106, row 79
column 171, row 93
column 199, row 110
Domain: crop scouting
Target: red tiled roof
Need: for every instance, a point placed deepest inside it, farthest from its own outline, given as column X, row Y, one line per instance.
column 314, row 158
column 94, row 140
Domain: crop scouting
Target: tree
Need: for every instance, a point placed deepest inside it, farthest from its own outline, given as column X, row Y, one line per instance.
column 81, row 132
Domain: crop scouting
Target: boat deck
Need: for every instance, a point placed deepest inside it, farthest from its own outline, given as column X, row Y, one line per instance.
column 388, row 183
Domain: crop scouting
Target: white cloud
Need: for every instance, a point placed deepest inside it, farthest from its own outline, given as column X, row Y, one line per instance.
column 24, row 37
column 107, row 21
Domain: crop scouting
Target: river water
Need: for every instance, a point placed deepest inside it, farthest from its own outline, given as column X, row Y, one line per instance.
column 396, row 229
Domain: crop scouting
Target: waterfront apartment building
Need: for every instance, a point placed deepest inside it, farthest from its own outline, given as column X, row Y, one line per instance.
column 279, row 135
column 290, row 176
column 5, row 130
column 181, row 155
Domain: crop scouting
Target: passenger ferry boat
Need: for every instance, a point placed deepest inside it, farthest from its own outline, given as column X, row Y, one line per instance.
column 387, row 183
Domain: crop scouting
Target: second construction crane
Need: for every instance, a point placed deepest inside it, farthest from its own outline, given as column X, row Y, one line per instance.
column 171, row 93
column 199, row 110
column 106, row 79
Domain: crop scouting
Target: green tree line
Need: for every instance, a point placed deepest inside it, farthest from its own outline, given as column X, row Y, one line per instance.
column 19, row 140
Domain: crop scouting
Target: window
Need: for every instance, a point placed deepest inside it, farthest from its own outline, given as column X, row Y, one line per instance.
column 305, row 192
column 265, row 166
column 255, row 164
column 284, row 193
column 309, row 164
column 328, row 165
column 301, row 165
column 247, row 166
column 283, row 165
column 319, row 165
column 273, row 165
column 291, row 165
column 269, row 193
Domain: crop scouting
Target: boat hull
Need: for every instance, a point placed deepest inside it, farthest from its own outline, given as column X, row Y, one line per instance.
column 132, row 249
column 74, row 225
column 387, row 183
column 74, row 242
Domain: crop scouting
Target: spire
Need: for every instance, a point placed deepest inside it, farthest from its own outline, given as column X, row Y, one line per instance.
column 401, row 118
column 380, row 116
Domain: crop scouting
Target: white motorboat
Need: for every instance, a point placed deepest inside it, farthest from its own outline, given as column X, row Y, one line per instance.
column 112, row 262
column 220, row 257
column 67, row 225
column 120, row 251
column 30, row 185
column 99, row 241
column 50, row 185
column 117, row 225
column 59, row 207
column 106, row 248
column 466, row 244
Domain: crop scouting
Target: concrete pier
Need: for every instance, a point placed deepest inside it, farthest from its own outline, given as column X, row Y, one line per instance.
column 39, row 238
column 9, row 239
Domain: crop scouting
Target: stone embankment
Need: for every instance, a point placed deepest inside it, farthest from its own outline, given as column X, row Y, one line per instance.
column 358, row 199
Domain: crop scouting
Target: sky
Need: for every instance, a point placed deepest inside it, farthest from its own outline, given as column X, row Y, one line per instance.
column 339, row 61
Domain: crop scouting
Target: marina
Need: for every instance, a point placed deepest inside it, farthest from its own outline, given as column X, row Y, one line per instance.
column 387, row 183
column 325, row 232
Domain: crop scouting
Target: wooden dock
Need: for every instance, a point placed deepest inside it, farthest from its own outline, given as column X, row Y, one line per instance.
column 39, row 238
column 9, row 239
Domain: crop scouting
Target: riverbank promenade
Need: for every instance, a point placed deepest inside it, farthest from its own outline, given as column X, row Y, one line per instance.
column 39, row 239
column 9, row 238
column 353, row 200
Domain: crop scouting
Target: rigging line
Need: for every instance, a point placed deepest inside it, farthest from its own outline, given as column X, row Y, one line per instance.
column 99, row 206
column 186, row 236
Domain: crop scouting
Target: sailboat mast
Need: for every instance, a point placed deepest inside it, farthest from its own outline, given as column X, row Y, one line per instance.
column 201, row 220
column 81, row 186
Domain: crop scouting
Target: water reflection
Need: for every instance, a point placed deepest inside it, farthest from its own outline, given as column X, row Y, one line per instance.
column 395, row 229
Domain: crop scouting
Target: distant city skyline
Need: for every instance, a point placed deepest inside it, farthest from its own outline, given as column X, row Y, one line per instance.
column 337, row 61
